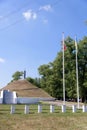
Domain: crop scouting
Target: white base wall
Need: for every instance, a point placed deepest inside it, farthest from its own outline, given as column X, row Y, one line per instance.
column 32, row 100
column 8, row 97
column 1, row 100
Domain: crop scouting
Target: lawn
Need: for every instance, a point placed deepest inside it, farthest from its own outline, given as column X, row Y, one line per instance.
column 41, row 121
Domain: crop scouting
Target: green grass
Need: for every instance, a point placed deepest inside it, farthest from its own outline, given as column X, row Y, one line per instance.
column 41, row 121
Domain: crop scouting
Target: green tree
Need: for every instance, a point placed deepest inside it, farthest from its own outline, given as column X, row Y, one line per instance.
column 34, row 81
column 82, row 59
column 52, row 73
column 70, row 68
column 17, row 75
column 45, row 72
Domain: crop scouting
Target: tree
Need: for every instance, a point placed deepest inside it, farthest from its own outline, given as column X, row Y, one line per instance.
column 17, row 75
column 52, row 74
column 82, row 58
column 45, row 71
column 34, row 81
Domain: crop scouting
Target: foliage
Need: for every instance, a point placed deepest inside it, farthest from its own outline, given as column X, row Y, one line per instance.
column 17, row 75
column 52, row 73
column 34, row 81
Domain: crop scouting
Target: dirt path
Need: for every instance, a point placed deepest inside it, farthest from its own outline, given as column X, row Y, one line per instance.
column 60, row 103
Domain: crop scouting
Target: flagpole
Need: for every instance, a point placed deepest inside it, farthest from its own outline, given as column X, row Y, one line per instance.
column 77, row 74
column 63, row 72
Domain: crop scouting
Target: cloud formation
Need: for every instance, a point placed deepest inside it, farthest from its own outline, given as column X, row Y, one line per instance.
column 46, row 8
column 2, row 60
column 28, row 15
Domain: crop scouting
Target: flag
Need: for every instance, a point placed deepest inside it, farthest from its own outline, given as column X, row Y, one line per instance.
column 76, row 42
column 63, row 44
column 65, row 47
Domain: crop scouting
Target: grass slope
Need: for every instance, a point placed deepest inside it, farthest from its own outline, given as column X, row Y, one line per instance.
column 25, row 89
column 41, row 121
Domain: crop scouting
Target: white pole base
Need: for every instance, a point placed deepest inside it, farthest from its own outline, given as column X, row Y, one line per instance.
column 12, row 109
column 51, row 108
column 63, row 108
column 39, row 108
column 84, row 109
column 74, row 108
column 26, row 110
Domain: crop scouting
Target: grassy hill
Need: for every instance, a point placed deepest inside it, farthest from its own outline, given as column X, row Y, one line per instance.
column 25, row 89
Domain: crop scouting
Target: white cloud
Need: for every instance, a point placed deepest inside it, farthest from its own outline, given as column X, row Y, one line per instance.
column 2, row 60
column 29, row 15
column 46, row 8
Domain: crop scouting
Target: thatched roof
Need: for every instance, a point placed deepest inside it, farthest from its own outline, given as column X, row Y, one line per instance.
column 25, row 89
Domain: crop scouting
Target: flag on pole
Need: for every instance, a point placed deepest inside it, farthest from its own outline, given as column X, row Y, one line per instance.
column 63, row 46
column 76, row 43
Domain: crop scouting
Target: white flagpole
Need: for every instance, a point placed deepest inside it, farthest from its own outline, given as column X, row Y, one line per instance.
column 77, row 73
column 63, row 74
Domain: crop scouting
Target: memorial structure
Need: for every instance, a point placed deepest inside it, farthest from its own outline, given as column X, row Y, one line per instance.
column 10, row 97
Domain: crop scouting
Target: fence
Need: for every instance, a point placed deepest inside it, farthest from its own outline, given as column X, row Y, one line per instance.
column 50, row 108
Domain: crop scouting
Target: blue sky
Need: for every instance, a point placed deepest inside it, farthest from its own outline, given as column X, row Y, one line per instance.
column 31, row 31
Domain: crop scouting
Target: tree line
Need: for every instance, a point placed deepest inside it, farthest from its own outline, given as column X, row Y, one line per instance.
column 51, row 74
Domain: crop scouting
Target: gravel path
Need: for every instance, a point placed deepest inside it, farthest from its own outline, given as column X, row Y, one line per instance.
column 60, row 103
